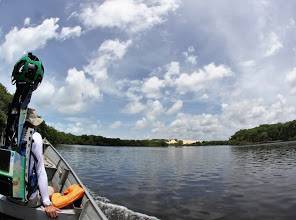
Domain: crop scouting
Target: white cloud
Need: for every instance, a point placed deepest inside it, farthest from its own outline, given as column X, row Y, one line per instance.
column 196, row 80
column 70, row 32
column 150, row 96
column 191, row 49
column 29, row 38
column 134, row 92
column 44, row 94
column 189, row 55
column 247, row 63
column 152, row 86
column 176, row 107
column 115, row 48
column 291, row 79
column 206, row 122
column 227, row 41
column 77, row 93
column 27, row 21
column 151, row 111
column 142, row 123
column 252, row 112
column 109, row 51
column 173, row 68
column 204, row 96
column 131, row 89
column 273, row 44
column 134, row 107
column 116, row 124
column 157, row 128
column 172, row 71
column 19, row 41
column 235, row 115
column 154, row 109
column 194, row 126
column 175, row 83
column 78, row 126
column 127, row 15
column 191, row 59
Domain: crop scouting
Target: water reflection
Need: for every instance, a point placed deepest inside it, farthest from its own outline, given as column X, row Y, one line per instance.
column 215, row 182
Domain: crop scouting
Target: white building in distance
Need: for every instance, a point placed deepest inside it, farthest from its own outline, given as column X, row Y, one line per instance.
column 175, row 141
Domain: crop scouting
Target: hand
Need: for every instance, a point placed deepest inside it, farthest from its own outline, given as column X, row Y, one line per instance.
column 51, row 211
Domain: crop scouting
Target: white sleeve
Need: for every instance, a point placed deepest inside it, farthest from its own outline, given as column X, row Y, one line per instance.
column 37, row 149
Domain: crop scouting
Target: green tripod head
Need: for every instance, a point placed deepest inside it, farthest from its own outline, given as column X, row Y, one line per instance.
column 28, row 70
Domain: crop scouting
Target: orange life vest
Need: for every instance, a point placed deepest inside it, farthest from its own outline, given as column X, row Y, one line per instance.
column 71, row 194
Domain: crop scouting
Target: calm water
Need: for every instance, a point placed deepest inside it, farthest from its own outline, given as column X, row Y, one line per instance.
column 215, row 182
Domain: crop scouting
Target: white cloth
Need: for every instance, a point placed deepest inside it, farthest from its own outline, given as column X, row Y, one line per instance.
column 37, row 149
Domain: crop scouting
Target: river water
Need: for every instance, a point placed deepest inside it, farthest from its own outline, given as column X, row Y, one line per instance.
column 212, row 182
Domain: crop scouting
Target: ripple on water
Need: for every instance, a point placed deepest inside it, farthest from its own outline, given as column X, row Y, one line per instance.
column 190, row 183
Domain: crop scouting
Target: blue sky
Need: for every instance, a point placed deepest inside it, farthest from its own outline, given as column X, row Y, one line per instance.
column 157, row 68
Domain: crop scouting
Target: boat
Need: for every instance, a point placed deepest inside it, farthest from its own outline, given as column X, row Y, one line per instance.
column 60, row 176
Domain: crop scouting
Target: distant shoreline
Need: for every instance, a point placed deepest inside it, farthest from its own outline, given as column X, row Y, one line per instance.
column 274, row 143
column 269, row 143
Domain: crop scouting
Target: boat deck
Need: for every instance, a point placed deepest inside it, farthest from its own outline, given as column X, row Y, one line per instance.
column 60, row 176
column 6, row 217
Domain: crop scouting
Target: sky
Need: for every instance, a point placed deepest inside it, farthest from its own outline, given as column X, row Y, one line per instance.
column 136, row 69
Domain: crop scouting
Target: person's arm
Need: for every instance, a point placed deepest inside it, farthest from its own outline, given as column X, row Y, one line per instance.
column 37, row 149
column 40, row 169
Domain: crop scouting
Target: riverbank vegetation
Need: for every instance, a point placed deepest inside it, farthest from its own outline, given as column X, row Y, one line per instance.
column 208, row 143
column 261, row 134
column 265, row 133
column 57, row 137
column 5, row 99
